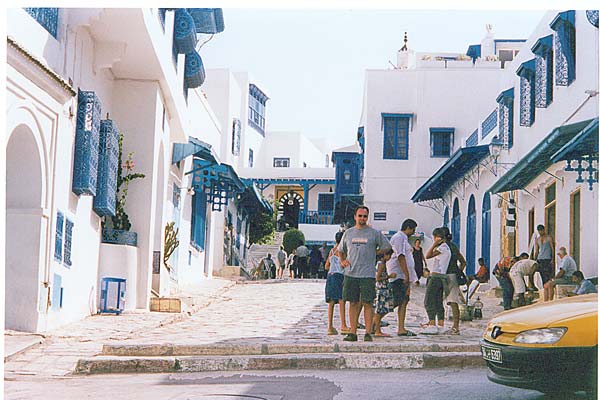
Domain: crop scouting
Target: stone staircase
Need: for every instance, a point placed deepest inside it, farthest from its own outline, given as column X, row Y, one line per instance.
column 258, row 251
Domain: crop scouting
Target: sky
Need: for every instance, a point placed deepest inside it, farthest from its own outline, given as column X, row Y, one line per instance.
column 311, row 63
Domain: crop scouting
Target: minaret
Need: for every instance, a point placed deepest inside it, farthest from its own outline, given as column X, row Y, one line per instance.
column 406, row 57
column 487, row 43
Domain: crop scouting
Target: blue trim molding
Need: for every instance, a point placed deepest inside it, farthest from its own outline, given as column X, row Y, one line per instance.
column 108, row 165
column 563, row 26
column 473, row 139
column 87, row 138
column 505, row 111
column 526, row 72
column 544, row 70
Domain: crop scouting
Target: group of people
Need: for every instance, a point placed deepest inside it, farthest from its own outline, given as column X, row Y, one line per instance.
column 300, row 263
column 375, row 275
column 512, row 271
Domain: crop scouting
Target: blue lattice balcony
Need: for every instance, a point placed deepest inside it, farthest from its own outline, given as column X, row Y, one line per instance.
column 194, row 70
column 115, row 236
column 184, row 34
column 208, row 20
column 108, row 165
column 473, row 139
column 87, row 137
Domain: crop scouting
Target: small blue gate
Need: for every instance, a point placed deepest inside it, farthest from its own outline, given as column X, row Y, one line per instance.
column 455, row 224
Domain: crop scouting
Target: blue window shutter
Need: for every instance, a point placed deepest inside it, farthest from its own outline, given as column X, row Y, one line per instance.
column 395, row 136
column 564, row 47
column 46, row 17
column 526, row 72
column 544, row 71
column 199, row 219
column 442, row 141
column 105, row 201
column 325, row 202
column 87, row 137
column 68, row 241
column 58, row 242
column 56, row 292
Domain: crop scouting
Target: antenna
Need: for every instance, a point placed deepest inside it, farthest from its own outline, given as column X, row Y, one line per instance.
column 392, row 64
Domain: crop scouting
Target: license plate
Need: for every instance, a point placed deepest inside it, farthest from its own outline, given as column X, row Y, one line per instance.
column 492, row 354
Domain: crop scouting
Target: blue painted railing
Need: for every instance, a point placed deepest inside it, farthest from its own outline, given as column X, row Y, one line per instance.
column 46, row 17
column 316, row 217
column 114, row 236
column 87, row 138
column 473, row 139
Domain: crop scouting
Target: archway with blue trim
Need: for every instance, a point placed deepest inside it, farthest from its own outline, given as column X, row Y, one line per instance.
column 486, row 229
column 471, row 236
column 289, row 208
column 455, row 223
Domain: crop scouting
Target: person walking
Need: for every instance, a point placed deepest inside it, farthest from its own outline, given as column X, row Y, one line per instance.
column 302, row 260
column 440, row 254
column 384, row 300
column 315, row 259
column 453, row 294
column 358, row 251
column 419, row 259
column 292, row 265
column 543, row 252
column 334, row 287
column 401, row 264
column 281, row 258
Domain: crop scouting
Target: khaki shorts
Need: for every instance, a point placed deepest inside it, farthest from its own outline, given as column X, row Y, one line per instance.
column 454, row 295
column 518, row 281
column 358, row 290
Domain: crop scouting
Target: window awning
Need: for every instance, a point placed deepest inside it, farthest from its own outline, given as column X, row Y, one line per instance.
column 252, row 200
column 585, row 143
column 539, row 158
column 194, row 147
column 462, row 161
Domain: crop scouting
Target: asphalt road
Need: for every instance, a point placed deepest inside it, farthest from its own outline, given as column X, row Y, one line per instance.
column 465, row 384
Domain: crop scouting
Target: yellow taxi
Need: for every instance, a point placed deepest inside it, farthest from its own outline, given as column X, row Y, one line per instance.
column 550, row 347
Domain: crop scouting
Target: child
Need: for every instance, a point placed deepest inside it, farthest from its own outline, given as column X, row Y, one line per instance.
column 333, row 288
column 385, row 300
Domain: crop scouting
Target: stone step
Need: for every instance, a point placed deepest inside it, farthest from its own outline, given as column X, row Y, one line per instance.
column 112, row 364
column 152, row 350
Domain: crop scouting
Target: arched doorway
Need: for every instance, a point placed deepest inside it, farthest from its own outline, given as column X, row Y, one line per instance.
column 486, row 229
column 289, row 208
column 25, row 230
column 455, row 224
column 471, row 236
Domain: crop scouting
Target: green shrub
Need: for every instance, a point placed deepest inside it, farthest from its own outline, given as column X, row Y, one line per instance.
column 262, row 227
column 292, row 238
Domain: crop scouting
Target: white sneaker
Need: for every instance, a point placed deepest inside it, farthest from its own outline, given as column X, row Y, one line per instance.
column 430, row 330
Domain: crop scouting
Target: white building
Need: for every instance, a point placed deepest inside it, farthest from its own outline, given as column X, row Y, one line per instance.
column 137, row 70
column 534, row 159
column 416, row 115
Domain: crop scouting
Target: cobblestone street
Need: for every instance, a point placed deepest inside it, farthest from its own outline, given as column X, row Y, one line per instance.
column 271, row 312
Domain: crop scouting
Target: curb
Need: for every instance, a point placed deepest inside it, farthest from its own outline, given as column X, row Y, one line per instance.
column 35, row 344
column 112, row 365
column 155, row 350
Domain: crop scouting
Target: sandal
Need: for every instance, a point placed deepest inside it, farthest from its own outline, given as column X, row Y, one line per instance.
column 332, row 331
column 345, row 331
column 382, row 335
column 452, row 331
column 407, row 333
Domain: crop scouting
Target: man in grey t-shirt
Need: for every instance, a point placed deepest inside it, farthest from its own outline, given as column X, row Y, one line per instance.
column 566, row 267
column 358, row 251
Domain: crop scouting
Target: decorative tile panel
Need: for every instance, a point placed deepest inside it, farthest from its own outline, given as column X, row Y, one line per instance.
column 505, row 113
column 564, row 47
column 87, row 137
column 108, row 165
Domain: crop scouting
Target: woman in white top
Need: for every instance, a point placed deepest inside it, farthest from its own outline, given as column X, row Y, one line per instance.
column 434, row 294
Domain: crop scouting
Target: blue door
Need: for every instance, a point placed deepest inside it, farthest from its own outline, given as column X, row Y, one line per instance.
column 486, row 229
column 446, row 217
column 471, row 233
column 455, row 224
